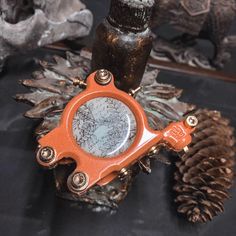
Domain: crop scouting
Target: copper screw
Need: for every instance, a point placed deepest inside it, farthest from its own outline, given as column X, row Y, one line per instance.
column 79, row 181
column 133, row 92
column 103, row 77
column 46, row 154
column 191, row 121
column 79, row 82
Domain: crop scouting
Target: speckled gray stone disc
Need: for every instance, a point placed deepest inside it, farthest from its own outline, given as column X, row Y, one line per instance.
column 104, row 127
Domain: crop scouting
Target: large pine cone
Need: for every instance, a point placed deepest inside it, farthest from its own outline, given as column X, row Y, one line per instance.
column 205, row 173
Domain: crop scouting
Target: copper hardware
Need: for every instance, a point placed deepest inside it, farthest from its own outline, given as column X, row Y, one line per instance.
column 186, row 149
column 79, row 82
column 133, row 92
column 153, row 150
column 123, row 173
column 191, row 121
column 103, row 77
column 46, row 154
column 78, row 181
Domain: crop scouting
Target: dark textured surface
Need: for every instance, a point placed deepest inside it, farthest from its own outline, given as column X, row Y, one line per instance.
column 28, row 205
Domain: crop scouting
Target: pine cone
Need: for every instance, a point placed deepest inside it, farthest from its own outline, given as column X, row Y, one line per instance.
column 205, row 173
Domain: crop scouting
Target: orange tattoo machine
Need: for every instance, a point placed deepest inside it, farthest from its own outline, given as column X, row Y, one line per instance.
column 105, row 131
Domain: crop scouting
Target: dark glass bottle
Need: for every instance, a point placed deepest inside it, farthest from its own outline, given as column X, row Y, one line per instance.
column 123, row 42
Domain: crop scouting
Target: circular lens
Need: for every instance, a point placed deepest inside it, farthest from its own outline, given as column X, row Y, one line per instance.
column 104, row 127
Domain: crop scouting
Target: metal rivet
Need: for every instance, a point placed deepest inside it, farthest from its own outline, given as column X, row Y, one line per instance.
column 103, row 77
column 78, row 181
column 191, row 121
column 46, row 154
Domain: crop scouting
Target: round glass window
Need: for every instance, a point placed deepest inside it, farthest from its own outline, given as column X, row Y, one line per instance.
column 104, row 127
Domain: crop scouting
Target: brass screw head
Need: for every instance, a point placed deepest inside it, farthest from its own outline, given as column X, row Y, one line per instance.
column 46, row 154
column 191, row 121
column 79, row 181
column 103, row 77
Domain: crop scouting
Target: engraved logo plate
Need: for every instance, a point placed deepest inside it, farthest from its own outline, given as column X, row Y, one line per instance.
column 196, row 7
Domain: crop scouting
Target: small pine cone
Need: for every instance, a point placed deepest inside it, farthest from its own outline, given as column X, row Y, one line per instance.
column 205, row 173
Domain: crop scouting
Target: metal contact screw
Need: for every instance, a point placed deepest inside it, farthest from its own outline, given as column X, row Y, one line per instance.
column 103, row 77
column 191, row 121
column 134, row 92
column 123, row 173
column 79, row 82
column 79, row 181
column 154, row 150
column 46, row 154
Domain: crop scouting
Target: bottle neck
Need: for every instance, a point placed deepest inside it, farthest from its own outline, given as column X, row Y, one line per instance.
column 130, row 15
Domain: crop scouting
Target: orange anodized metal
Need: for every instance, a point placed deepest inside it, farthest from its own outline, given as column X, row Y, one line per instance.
column 60, row 142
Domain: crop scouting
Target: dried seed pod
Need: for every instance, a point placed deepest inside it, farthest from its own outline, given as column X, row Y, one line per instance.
column 206, row 172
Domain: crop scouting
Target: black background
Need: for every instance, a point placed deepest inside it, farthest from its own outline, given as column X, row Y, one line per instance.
column 28, row 205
